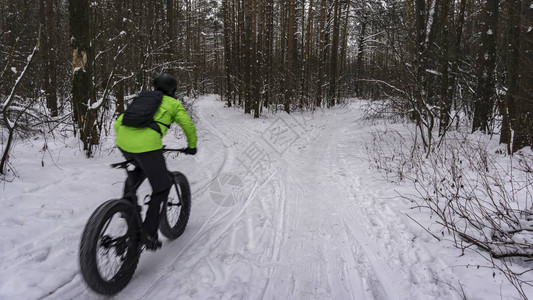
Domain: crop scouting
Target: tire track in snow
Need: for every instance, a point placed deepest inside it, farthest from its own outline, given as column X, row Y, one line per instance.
column 383, row 234
column 219, row 224
column 280, row 234
column 311, row 255
column 268, row 205
column 367, row 263
column 311, row 230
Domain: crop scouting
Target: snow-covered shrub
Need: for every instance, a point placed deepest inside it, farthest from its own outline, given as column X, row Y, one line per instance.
column 482, row 198
column 390, row 109
column 391, row 154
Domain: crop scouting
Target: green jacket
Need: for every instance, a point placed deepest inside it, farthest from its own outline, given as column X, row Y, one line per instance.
column 144, row 139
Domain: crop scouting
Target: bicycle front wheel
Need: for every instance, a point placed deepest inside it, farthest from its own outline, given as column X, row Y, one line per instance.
column 110, row 247
column 177, row 208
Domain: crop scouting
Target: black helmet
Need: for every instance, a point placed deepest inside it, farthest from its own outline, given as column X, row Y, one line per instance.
column 166, row 83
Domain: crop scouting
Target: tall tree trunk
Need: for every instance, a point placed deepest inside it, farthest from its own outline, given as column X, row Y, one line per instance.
column 44, row 43
column 446, row 89
column 119, row 94
column 281, row 54
column 255, row 58
column 235, row 48
column 269, row 48
column 259, row 29
column 334, row 55
column 171, row 27
column 119, row 87
column 322, row 52
column 247, row 57
column 82, row 90
column 308, row 44
column 344, row 49
column 422, row 116
column 486, row 82
column 227, row 50
column 411, row 17
column 360, row 52
column 506, row 106
column 523, row 131
column 47, row 21
column 242, row 52
column 291, row 56
column 456, row 52
column 51, row 88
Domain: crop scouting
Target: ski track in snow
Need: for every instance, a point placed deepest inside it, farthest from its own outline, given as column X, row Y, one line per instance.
column 307, row 225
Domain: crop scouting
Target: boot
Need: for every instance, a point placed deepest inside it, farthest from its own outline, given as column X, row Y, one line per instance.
column 151, row 242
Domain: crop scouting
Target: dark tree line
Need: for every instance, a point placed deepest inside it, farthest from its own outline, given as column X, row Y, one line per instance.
column 285, row 54
column 447, row 63
column 442, row 63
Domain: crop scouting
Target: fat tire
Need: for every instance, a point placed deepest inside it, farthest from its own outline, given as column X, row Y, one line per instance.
column 89, row 244
column 181, row 185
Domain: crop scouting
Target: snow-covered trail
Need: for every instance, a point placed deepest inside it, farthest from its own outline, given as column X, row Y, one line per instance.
column 283, row 208
column 341, row 241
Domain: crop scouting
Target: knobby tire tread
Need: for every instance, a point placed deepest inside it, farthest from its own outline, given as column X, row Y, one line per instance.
column 173, row 232
column 89, row 244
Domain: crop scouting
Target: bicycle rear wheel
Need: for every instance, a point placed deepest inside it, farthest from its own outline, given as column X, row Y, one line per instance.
column 110, row 247
column 177, row 208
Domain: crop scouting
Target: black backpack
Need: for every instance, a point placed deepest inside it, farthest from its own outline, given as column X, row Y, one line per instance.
column 140, row 112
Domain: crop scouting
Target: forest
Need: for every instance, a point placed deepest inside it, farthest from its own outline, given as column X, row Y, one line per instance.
column 439, row 63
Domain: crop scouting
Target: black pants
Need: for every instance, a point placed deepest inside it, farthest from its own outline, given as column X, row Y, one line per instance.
column 149, row 165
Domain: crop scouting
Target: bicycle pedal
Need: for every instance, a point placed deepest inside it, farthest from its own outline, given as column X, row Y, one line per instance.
column 154, row 246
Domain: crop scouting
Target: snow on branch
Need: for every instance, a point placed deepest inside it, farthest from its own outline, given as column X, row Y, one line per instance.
column 11, row 96
column 385, row 83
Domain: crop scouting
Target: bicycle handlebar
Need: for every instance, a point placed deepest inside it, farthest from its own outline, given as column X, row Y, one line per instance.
column 124, row 164
column 174, row 150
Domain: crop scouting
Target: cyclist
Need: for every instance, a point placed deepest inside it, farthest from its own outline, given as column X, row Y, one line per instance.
column 143, row 145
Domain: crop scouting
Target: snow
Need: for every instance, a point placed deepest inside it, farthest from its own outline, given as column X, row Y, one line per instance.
column 96, row 104
column 489, row 32
column 14, row 70
column 434, row 72
column 285, row 206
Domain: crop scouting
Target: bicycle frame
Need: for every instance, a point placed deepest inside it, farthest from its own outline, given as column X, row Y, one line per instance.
column 124, row 165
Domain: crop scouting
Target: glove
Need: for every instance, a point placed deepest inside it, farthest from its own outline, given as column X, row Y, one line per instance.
column 190, row 151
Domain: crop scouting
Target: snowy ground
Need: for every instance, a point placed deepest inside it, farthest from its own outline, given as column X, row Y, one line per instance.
column 284, row 207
